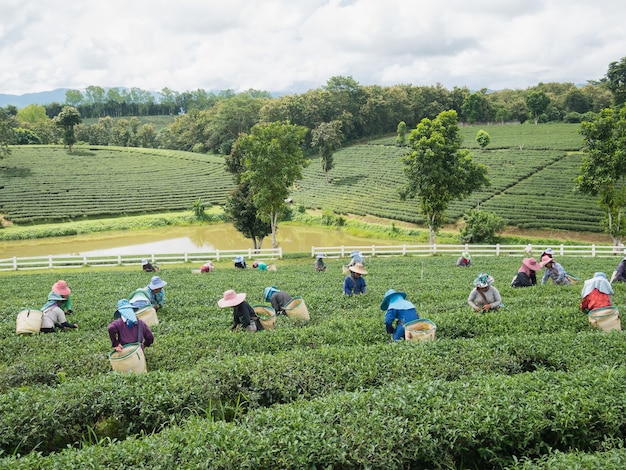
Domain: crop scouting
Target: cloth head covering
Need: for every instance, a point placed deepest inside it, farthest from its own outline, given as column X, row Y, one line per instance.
column 358, row 268
column 548, row 251
column 268, row 292
column 598, row 281
column 466, row 255
column 60, row 287
column 319, row 256
column 483, row 280
column 255, row 264
column 528, row 249
column 144, row 262
column 238, row 259
column 53, row 298
column 389, row 296
column 125, row 310
column 231, row 299
column 156, row 283
column 546, row 259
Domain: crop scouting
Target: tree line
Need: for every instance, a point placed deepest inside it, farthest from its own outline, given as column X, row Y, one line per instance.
column 211, row 122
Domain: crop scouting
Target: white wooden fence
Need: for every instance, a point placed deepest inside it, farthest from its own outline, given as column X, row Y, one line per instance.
column 475, row 250
column 50, row 262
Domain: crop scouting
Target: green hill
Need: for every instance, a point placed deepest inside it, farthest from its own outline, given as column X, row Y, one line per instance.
column 531, row 170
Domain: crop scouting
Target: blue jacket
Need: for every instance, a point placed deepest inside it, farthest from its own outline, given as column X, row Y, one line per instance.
column 401, row 310
column 354, row 285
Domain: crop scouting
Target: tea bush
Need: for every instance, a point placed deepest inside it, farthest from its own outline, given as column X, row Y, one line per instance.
column 492, row 390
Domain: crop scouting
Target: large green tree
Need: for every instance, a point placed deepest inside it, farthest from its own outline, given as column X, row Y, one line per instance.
column 616, row 81
column 603, row 170
column 438, row 171
column 537, row 101
column 273, row 160
column 240, row 207
column 327, row 137
column 67, row 119
column 8, row 124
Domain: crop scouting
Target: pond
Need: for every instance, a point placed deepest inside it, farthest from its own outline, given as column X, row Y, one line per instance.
column 192, row 239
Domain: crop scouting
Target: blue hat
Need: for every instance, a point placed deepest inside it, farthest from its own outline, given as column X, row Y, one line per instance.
column 125, row 310
column 156, row 283
column 268, row 292
column 387, row 298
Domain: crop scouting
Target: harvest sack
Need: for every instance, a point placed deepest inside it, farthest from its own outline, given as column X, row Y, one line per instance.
column 148, row 315
column 419, row 330
column 28, row 322
column 605, row 318
column 297, row 309
column 129, row 359
column 267, row 316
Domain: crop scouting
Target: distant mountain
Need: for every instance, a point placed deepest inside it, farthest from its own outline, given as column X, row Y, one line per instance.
column 43, row 98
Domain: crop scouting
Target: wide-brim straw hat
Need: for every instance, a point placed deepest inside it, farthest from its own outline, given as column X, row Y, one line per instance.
column 531, row 263
column 156, row 283
column 231, row 299
column 358, row 268
column 391, row 292
column 60, row 287
column 547, row 259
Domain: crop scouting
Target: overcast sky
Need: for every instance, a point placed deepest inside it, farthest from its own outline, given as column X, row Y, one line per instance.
column 296, row 45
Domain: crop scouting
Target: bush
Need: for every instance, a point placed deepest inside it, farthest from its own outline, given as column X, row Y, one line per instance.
column 481, row 226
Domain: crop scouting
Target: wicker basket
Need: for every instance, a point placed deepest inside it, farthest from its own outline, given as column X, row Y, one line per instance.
column 267, row 316
column 297, row 309
column 129, row 359
column 419, row 330
column 148, row 315
column 605, row 318
column 28, row 322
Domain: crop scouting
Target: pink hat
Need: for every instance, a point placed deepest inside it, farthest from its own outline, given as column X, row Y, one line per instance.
column 60, row 287
column 231, row 299
column 546, row 259
column 531, row 263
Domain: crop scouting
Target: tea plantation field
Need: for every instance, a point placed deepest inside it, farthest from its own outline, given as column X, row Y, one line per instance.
column 531, row 169
column 529, row 386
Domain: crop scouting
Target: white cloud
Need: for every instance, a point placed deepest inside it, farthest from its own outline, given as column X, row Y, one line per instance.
column 278, row 45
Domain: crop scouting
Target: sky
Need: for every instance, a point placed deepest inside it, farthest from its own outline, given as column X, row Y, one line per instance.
column 290, row 46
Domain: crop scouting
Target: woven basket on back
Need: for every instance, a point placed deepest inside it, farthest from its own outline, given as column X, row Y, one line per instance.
column 129, row 359
column 419, row 330
column 267, row 316
column 28, row 322
column 148, row 315
column 605, row 318
column 297, row 309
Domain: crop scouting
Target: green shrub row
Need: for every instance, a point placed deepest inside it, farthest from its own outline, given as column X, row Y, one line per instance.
column 482, row 422
column 54, row 417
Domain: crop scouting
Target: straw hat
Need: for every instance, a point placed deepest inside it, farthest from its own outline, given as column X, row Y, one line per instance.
column 531, row 263
column 156, row 283
column 547, row 259
column 60, row 287
column 387, row 298
column 358, row 268
column 231, row 299
column 466, row 255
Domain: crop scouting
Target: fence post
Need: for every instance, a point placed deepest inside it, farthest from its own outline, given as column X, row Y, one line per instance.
column 15, row 263
column 593, row 250
column 217, row 254
column 50, row 262
column 433, row 248
column 562, row 250
column 185, row 257
column 280, row 252
column 403, row 250
column 497, row 249
column 342, row 252
column 373, row 251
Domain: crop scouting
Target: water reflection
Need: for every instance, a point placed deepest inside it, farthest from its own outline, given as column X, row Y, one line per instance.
column 181, row 240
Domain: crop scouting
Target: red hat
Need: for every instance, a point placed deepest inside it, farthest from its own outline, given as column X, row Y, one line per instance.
column 60, row 287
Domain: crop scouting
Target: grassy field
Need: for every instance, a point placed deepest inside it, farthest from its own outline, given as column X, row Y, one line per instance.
column 531, row 170
column 531, row 386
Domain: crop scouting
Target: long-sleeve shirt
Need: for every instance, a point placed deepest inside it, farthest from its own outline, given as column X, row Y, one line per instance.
column 403, row 311
column 54, row 316
column 620, row 273
column 243, row 314
column 279, row 300
column 556, row 273
column 596, row 299
column 354, row 285
column 492, row 295
column 121, row 334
